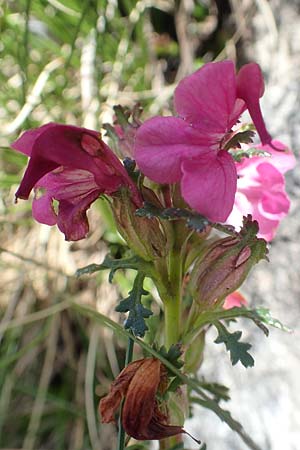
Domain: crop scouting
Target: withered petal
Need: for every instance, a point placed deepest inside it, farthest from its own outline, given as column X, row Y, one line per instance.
column 111, row 402
column 156, row 428
column 141, row 417
column 139, row 404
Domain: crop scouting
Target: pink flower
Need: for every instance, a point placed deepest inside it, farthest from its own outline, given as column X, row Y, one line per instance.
column 261, row 189
column 234, row 300
column 190, row 148
column 73, row 166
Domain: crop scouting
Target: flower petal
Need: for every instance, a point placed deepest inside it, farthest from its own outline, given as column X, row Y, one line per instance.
column 267, row 226
column 72, row 219
column 111, row 402
column 56, row 145
column 275, row 204
column 25, row 143
column 138, row 407
column 75, row 190
column 207, row 98
column 42, row 210
column 250, row 87
column 69, row 184
column 141, row 417
column 282, row 158
column 162, row 143
column 261, row 190
column 235, row 299
column 209, row 185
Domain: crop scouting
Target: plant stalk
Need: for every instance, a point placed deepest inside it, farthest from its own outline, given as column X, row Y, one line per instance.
column 121, row 433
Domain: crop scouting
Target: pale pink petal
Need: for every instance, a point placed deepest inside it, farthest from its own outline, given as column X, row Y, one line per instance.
column 207, row 98
column 275, row 204
column 283, row 160
column 42, row 210
column 242, row 207
column 267, row 227
column 250, row 87
column 209, row 185
column 261, row 191
column 162, row 143
column 236, row 299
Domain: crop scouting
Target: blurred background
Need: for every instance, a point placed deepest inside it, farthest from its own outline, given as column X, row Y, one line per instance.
column 71, row 61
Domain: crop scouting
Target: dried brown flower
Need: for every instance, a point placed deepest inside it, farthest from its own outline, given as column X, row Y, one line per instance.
column 142, row 418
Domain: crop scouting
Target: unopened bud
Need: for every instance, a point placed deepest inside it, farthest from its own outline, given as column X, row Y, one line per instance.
column 225, row 264
column 143, row 235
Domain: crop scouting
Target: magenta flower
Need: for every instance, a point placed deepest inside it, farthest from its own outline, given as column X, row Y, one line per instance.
column 261, row 189
column 190, row 148
column 72, row 166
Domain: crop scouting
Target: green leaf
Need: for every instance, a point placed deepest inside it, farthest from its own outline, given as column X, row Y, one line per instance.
column 173, row 354
column 219, row 391
column 210, row 317
column 243, row 137
column 265, row 316
column 194, row 221
column 137, row 312
column 238, row 350
column 239, row 155
column 113, row 264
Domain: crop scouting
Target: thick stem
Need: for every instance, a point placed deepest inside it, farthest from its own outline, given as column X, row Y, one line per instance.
column 173, row 302
column 170, row 292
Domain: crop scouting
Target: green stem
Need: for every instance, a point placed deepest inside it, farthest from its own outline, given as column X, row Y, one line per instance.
column 121, row 433
column 173, row 302
column 172, row 316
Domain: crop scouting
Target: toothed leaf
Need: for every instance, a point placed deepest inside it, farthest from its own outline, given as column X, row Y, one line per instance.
column 238, row 350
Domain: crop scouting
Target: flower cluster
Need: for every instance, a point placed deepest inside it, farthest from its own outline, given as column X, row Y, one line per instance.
column 197, row 166
column 74, row 166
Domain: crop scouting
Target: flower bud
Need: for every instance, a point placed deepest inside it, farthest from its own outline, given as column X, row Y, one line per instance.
column 143, row 235
column 225, row 263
